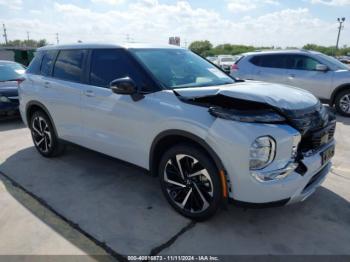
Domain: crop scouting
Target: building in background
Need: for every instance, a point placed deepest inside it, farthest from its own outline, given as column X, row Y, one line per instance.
column 174, row 40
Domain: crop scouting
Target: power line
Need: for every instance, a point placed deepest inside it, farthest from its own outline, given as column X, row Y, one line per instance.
column 5, row 33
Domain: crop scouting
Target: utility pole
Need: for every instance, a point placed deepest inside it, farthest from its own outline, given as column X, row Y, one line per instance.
column 57, row 39
column 5, row 33
column 28, row 36
column 127, row 38
column 340, row 21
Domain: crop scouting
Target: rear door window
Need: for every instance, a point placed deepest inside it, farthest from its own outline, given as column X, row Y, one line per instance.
column 110, row 64
column 69, row 65
column 47, row 62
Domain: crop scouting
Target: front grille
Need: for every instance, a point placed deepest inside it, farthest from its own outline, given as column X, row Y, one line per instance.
column 314, row 140
column 316, row 125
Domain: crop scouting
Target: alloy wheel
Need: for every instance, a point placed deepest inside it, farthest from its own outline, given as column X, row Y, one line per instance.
column 188, row 183
column 41, row 134
column 344, row 103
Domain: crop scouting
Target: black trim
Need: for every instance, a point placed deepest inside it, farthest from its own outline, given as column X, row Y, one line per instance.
column 36, row 103
column 185, row 134
column 243, row 204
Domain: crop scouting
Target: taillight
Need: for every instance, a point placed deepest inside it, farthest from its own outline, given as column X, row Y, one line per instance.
column 234, row 67
column 20, row 80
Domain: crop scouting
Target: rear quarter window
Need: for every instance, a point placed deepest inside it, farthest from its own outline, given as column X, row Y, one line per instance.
column 34, row 66
column 270, row 61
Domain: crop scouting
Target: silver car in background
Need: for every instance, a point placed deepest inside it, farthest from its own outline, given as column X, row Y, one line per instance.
column 322, row 75
column 225, row 62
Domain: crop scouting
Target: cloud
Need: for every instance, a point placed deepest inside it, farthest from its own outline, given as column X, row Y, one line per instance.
column 237, row 6
column 241, row 5
column 109, row 2
column 153, row 22
column 332, row 2
column 12, row 4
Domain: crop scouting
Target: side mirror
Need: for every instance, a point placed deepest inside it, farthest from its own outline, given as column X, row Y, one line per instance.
column 321, row 67
column 123, row 86
column 126, row 86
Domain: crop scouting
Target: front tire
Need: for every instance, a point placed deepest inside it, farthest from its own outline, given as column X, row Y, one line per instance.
column 342, row 103
column 44, row 136
column 190, row 182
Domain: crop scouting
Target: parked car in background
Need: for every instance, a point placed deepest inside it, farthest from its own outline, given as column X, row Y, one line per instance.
column 226, row 62
column 322, row 75
column 163, row 108
column 11, row 74
column 344, row 59
column 212, row 59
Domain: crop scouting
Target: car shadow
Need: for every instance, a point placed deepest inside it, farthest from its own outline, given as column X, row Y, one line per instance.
column 343, row 119
column 122, row 206
column 10, row 124
column 118, row 204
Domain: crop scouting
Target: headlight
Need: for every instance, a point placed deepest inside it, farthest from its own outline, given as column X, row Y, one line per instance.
column 259, row 116
column 4, row 99
column 262, row 152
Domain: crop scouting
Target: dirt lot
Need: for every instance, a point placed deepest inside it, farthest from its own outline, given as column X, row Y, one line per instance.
column 90, row 203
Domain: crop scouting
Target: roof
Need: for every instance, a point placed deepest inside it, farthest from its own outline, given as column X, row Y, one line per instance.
column 292, row 51
column 106, row 45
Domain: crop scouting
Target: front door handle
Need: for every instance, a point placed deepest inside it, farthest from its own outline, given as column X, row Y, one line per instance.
column 291, row 76
column 89, row 93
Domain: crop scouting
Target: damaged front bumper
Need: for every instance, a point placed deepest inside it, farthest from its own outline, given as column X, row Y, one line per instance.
column 231, row 140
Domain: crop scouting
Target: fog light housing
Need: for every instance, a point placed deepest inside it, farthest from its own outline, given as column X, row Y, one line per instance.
column 4, row 99
column 262, row 152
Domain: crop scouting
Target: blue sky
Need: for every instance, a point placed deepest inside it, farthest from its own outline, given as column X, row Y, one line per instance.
column 255, row 22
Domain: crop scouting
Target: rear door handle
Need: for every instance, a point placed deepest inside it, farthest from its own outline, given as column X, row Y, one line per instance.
column 291, row 75
column 89, row 93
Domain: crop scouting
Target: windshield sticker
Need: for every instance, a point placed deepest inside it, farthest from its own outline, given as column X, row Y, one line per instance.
column 217, row 72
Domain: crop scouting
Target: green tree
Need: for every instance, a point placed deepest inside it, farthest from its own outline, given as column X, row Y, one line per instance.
column 26, row 43
column 201, row 47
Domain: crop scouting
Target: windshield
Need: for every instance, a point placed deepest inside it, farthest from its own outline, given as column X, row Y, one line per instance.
column 11, row 71
column 336, row 63
column 178, row 68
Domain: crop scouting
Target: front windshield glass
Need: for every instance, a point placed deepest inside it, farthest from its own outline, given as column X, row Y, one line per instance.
column 11, row 71
column 335, row 62
column 178, row 68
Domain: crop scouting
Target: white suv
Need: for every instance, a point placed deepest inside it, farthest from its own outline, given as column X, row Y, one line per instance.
column 208, row 137
column 322, row 75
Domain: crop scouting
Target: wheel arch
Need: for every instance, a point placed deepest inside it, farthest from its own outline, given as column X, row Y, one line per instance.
column 33, row 106
column 337, row 91
column 168, row 138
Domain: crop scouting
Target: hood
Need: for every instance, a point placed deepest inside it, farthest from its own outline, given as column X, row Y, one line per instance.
column 276, row 95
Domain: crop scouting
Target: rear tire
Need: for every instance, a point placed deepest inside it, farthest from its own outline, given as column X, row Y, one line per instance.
column 342, row 103
column 44, row 135
column 190, row 182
